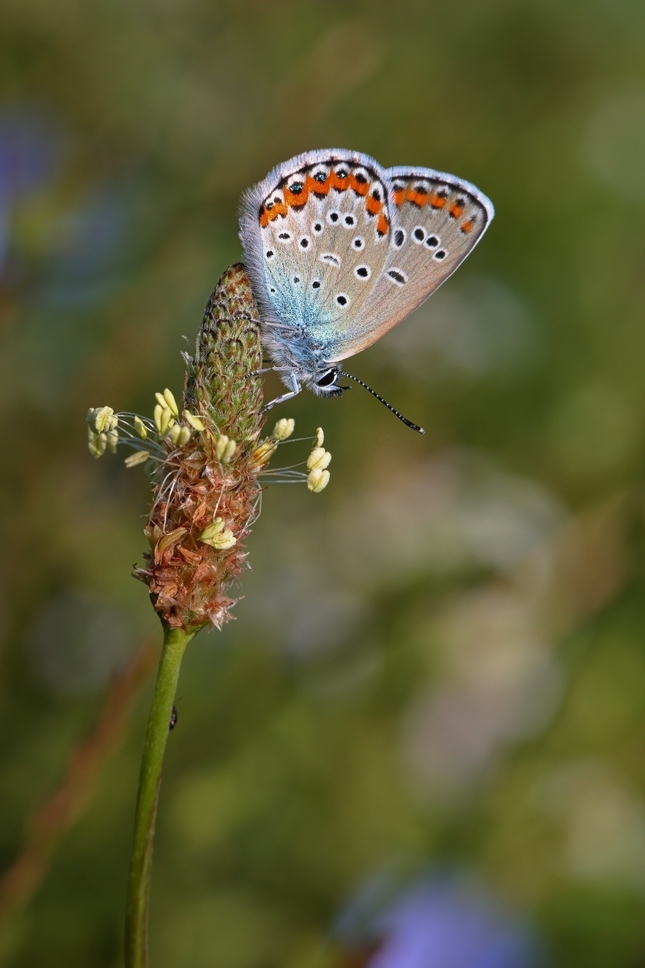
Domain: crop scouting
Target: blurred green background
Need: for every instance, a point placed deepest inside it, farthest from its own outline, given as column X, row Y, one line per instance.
column 440, row 660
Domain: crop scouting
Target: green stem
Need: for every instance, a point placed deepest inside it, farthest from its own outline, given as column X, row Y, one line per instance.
column 136, row 919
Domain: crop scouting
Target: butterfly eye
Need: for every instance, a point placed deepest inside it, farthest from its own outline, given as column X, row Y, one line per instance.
column 329, row 378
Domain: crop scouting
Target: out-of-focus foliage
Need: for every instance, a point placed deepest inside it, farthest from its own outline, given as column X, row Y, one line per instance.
column 440, row 660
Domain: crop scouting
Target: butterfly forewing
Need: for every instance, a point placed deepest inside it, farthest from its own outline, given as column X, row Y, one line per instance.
column 436, row 221
column 324, row 230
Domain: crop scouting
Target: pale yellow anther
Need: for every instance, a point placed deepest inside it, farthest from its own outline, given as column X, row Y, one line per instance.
column 140, row 457
column 104, row 419
column 320, row 437
column 96, row 444
column 157, row 415
column 163, row 419
column 101, row 419
column 220, row 446
column 195, row 422
column 284, row 428
column 318, row 480
column 184, row 436
column 318, row 459
column 112, row 441
column 171, row 402
column 223, row 541
column 217, row 536
column 140, row 428
column 224, row 449
column 263, row 451
column 229, row 452
column 161, row 400
column 215, row 528
column 173, row 434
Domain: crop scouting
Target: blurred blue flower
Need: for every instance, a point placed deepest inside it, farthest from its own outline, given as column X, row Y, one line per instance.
column 439, row 922
column 83, row 265
column 67, row 252
column 30, row 150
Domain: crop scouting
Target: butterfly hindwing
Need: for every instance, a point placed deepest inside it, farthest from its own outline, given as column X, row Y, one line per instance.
column 437, row 220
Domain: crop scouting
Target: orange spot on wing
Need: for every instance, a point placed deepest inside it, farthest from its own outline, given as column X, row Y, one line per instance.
column 264, row 217
column 361, row 188
column 382, row 225
column 437, row 201
column 399, row 196
column 296, row 199
column 456, row 210
column 340, row 183
column 373, row 206
column 317, row 187
column 417, row 198
column 468, row 226
column 278, row 208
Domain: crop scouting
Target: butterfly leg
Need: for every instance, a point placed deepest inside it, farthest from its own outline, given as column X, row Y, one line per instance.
column 270, row 369
column 295, row 390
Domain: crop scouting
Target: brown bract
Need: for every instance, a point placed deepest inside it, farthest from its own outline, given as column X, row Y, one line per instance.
column 209, row 483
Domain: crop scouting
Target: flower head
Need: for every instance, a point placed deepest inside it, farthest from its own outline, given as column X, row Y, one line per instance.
column 438, row 922
column 206, row 461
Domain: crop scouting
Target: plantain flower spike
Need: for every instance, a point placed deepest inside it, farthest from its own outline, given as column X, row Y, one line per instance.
column 207, row 462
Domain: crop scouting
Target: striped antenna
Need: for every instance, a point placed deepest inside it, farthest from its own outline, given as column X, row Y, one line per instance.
column 408, row 423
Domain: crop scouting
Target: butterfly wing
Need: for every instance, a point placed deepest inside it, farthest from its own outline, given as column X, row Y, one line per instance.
column 316, row 235
column 437, row 220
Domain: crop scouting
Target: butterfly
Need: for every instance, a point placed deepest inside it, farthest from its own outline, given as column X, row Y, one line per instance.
column 339, row 250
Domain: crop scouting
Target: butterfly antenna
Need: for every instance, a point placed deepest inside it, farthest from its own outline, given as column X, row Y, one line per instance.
column 408, row 423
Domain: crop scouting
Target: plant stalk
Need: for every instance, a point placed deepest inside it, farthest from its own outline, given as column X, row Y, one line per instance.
column 136, row 919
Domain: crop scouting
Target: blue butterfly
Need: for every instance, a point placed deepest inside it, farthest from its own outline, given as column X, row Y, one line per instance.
column 340, row 250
